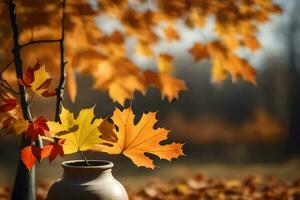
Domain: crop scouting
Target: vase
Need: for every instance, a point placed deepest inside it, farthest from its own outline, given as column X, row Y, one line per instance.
column 93, row 182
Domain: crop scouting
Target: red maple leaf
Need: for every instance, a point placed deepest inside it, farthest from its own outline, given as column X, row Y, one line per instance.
column 8, row 105
column 53, row 149
column 28, row 76
column 36, row 128
column 31, row 154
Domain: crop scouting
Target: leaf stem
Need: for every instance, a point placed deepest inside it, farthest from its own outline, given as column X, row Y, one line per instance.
column 84, row 158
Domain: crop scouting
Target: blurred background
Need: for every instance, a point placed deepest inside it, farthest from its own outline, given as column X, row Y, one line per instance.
column 231, row 130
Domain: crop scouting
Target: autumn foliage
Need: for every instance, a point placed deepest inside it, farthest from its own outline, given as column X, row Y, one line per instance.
column 104, row 56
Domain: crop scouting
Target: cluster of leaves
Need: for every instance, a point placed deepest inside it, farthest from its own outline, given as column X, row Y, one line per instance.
column 199, row 187
column 115, row 135
column 104, row 56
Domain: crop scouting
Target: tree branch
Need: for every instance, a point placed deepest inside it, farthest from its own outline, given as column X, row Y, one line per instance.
column 6, row 66
column 24, row 187
column 39, row 42
column 62, row 80
column 7, row 87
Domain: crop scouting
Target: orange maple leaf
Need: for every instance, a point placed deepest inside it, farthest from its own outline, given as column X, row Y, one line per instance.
column 171, row 34
column 31, row 154
column 199, row 51
column 112, row 75
column 167, row 84
column 134, row 140
column 251, row 42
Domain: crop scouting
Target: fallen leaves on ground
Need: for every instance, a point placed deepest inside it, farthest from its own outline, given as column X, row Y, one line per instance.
column 199, row 187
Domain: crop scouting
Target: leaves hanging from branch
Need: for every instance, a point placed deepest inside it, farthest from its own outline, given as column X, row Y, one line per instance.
column 37, row 128
column 38, row 80
column 11, row 118
column 103, row 56
column 31, row 154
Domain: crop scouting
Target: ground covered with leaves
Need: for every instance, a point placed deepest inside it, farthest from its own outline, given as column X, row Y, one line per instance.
column 201, row 187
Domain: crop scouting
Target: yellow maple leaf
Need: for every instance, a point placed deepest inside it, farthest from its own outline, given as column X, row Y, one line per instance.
column 219, row 74
column 41, row 82
column 80, row 134
column 144, row 49
column 18, row 127
column 134, row 140
column 15, row 126
column 164, row 63
column 71, row 83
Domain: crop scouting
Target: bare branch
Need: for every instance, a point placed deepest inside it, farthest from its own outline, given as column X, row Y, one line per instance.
column 39, row 42
column 2, row 84
column 6, row 66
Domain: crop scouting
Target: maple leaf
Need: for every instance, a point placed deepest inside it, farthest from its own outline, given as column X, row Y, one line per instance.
column 164, row 63
column 53, row 149
column 144, row 49
column 199, row 51
column 251, row 42
column 71, row 83
column 9, row 104
column 80, row 134
column 108, row 76
column 134, row 140
column 219, row 73
column 11, row 118
column 226, row 62
column 31, row 154
column 38, row 79
column 15, row 126
column 169, row 85
column 171, row 34
column 36, row 128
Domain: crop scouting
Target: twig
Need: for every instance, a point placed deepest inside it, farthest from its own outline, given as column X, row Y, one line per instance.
column 62, row 80
column 8, row 88
column 6, row 66
column 38, row 42
column 5, row 81
column 84, row 158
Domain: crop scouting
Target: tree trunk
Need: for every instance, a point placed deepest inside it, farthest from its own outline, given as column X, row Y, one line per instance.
column 294, row 87
column 24, row 187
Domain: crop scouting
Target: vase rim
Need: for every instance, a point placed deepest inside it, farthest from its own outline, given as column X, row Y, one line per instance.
column 97, row 164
